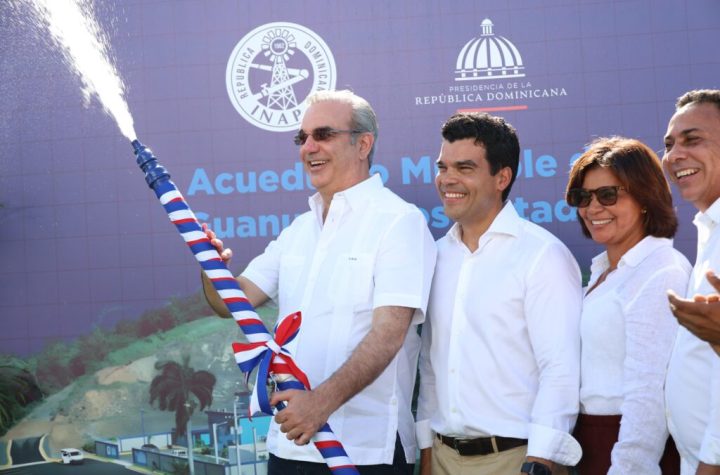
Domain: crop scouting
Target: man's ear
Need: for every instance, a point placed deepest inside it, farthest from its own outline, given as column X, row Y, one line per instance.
column 366, row 141
column 502, row 178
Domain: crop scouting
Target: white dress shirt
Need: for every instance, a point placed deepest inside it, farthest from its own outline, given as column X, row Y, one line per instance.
column 692, row 390
column 373, row 250
column 627, row 333
column 501, row 344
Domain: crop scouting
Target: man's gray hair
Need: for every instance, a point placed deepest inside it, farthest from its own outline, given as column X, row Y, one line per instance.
column 362, row 118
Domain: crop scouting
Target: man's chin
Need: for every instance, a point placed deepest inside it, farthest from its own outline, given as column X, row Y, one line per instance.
column 316, row 182
column 451, row 213
column 687, row 194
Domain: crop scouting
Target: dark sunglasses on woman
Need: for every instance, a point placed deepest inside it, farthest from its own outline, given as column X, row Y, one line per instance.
column 606, row 196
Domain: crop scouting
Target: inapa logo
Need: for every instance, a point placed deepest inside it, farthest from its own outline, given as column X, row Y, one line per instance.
column 273, row 69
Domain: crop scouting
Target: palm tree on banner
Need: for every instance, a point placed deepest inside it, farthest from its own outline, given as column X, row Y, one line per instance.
column 173, row 387
column 17, row 389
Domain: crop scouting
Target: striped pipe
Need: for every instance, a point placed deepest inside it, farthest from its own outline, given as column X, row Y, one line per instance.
column 262, row 350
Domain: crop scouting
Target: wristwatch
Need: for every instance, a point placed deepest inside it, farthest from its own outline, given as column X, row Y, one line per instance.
column 535, row 468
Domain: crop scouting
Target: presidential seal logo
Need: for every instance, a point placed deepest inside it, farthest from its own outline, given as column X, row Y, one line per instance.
column 273, row 69
column 490, row 76
column 489, row 57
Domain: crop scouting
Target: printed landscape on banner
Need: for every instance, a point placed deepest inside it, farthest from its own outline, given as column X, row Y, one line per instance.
column 100, row 301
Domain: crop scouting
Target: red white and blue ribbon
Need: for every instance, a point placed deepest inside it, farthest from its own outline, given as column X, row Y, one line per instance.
column 271, row 358
column 263, row 351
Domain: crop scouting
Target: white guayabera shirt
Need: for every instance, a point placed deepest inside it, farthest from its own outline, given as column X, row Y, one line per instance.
column 373, row 250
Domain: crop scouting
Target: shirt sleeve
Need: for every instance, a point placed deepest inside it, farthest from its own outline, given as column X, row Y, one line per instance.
column 710, row 448
column 404, row 265
column 650, row 331
column 552, row 308
column 427, row 398
column 264, row 270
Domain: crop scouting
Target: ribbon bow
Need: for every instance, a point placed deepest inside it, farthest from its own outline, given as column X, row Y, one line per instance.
column 272, row 360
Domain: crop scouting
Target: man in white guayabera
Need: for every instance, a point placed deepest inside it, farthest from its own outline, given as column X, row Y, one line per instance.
column 358, row 266
column 692, row 388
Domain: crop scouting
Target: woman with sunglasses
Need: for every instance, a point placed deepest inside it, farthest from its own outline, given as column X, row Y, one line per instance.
column 627, row 329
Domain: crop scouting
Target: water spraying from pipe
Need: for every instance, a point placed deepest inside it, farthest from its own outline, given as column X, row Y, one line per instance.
column 73, row 27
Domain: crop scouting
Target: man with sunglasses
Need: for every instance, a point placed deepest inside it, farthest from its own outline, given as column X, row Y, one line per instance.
column 358, row 266
column 692, row 388
column 499, row 366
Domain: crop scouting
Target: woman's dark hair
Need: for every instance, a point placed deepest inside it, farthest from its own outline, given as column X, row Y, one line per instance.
column 639, row 171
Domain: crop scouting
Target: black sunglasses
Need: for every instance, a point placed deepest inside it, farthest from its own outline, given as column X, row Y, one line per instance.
column 321, row 134
column 580, row 197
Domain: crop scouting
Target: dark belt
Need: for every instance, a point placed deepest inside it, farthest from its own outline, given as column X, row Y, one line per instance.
column 482, row 445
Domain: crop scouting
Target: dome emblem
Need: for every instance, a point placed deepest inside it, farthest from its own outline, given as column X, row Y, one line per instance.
column 488, row 57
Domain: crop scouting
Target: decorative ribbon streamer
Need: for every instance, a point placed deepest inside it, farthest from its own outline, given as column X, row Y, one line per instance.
column 271, row 358
column 262, row 350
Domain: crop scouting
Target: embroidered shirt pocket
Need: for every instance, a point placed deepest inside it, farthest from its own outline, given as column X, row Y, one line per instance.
column 352, row 281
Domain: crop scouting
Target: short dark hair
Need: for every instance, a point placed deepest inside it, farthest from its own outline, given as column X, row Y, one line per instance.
column 699, row 96
column 639, row 171
column 499, row 138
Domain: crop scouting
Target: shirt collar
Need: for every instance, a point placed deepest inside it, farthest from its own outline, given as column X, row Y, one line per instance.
column 599, row 264
column 355, row 196
column 710, row 217
column 638, row 253
column 506, row 222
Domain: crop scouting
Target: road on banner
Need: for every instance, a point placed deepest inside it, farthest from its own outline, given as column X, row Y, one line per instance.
column 89, row 467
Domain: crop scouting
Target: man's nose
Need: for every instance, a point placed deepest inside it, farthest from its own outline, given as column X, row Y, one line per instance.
column 446, row 178
column 309, row 146
column 674, row 154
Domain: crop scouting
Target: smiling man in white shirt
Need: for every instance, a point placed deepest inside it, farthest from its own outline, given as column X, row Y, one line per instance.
column 499, row 371
column 358, row 266
column 692, row 388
